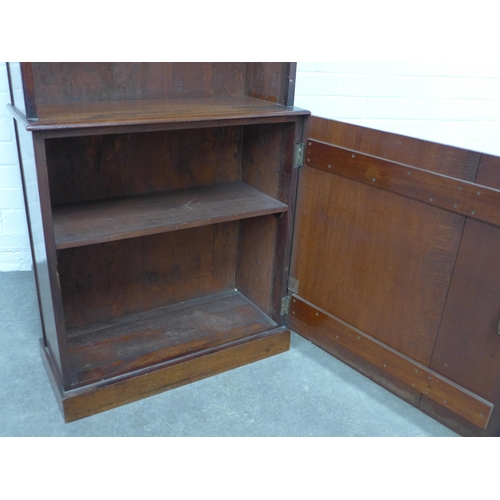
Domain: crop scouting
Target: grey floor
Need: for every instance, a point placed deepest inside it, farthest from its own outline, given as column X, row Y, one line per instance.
column 303, row 392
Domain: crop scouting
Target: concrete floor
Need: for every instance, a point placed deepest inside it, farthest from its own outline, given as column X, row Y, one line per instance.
column 303, row 392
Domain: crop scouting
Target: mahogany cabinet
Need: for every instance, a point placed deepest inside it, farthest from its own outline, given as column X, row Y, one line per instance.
column 185, row 216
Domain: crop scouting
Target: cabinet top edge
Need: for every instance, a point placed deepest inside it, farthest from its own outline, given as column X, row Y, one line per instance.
column 101, row 114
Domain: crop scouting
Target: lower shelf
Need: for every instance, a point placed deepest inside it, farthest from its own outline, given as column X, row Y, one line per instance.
column 115, row 347
column 95, row 398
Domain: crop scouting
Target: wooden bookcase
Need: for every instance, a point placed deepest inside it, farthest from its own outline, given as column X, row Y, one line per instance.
column 164, row 221
column 174, row 237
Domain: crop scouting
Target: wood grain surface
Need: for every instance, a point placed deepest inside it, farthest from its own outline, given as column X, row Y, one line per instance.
column 377, row 260
column 100, row 114
column 466, row 198
column 119, row 278
column 426, row 155
column 442, row 390
column 107, row 166
column 121, row 218
column 128, row 343
column 99, row 397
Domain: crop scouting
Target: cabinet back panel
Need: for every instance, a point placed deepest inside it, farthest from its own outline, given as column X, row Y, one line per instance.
column 110, row 280
column 266, row 157
column 96, row 167
column 72, row 82
column 104, row 81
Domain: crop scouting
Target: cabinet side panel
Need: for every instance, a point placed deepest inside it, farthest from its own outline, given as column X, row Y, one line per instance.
column 42, row 243
column 265, row 243
column 21, row 77
column 271, row 81
column 110, row 280
column 74, row 82
column 256, row 250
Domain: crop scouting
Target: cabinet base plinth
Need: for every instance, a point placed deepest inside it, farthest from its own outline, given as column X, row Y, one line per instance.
column 107, row 394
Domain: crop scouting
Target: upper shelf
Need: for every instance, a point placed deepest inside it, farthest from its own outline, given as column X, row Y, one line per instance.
column 91, row 222
column 84, row 115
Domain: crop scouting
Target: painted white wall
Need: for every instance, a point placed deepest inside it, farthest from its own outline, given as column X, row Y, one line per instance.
column 15, row 253
column 451, row 103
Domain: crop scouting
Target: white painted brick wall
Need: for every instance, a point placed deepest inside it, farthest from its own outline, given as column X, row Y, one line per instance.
column 15, row 254
column 450, row 103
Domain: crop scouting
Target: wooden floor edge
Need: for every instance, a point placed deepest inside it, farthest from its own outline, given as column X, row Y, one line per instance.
column 83, row 402
column 443, row 391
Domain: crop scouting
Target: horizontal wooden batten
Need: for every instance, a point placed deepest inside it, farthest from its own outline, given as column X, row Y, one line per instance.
column 101, row 221
column 457, row 399
column 466, row 198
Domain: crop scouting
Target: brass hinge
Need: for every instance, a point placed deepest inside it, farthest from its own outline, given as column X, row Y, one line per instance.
column 285, row 305
column 298, row 154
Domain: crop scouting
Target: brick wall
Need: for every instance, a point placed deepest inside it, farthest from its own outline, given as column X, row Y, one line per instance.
column 14, row 242
column 451, row 103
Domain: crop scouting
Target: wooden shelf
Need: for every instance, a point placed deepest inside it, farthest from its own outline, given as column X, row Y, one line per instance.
column 129, row 343
column 100, row 221
column 80, row 115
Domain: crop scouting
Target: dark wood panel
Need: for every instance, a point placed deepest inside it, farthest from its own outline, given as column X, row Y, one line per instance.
column 465, row 198
column 459, row 400
column 270, row 81
column 80, row 403
column 377, row 260
column 101, row 114
column 117, row 346
column 110, row 280
column 264, row 156
column 446, row 160
column 28, row 90
column 256, row 260
column 69, row 82
column 488, row 173
column 120, row 218
column 468, row 345
column 36, row 191
column 95, row 167
column 267, row 166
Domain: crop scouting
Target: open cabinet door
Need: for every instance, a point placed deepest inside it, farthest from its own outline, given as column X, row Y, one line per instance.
column 396, row 267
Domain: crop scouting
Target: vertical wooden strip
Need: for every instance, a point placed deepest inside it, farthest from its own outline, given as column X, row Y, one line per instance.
column 488, row 173
column 29, row 90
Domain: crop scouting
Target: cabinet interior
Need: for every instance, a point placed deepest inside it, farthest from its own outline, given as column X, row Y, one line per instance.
column 166, row 241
